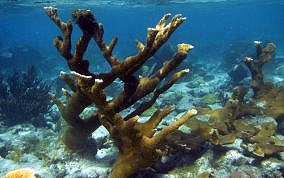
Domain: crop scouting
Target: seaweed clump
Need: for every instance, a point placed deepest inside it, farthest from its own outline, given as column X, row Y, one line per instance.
column 23, row 98
column 139, row 144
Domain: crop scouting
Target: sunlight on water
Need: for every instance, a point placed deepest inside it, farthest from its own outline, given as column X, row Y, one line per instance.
column 126, row 2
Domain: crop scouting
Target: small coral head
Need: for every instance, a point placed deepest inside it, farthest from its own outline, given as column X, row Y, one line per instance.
column 21, row 173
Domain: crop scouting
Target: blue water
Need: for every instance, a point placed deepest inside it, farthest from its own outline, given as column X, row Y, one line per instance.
column 210, row 26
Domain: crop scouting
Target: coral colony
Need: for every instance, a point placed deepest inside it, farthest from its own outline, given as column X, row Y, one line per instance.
column 138, row 143
column 23, row 98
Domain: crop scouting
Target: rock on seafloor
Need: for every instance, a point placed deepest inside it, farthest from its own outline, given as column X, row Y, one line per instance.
column 24, row 146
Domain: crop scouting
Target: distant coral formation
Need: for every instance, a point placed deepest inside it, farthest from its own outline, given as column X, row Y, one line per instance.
column 24, row 97
column 138, row 143
column 240, row 118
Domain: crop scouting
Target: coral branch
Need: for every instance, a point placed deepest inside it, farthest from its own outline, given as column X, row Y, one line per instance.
column 147, row 104
column 149, row 84
column 167, row 130
column 263, row 55
column 63, row 45
column 148, row 127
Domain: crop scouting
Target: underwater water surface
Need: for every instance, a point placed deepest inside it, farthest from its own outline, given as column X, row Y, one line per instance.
column 223, row 33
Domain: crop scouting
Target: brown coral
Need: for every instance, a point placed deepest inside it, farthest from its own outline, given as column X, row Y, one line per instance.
column 263, row 55
column 232, row 121
column 138, row 143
